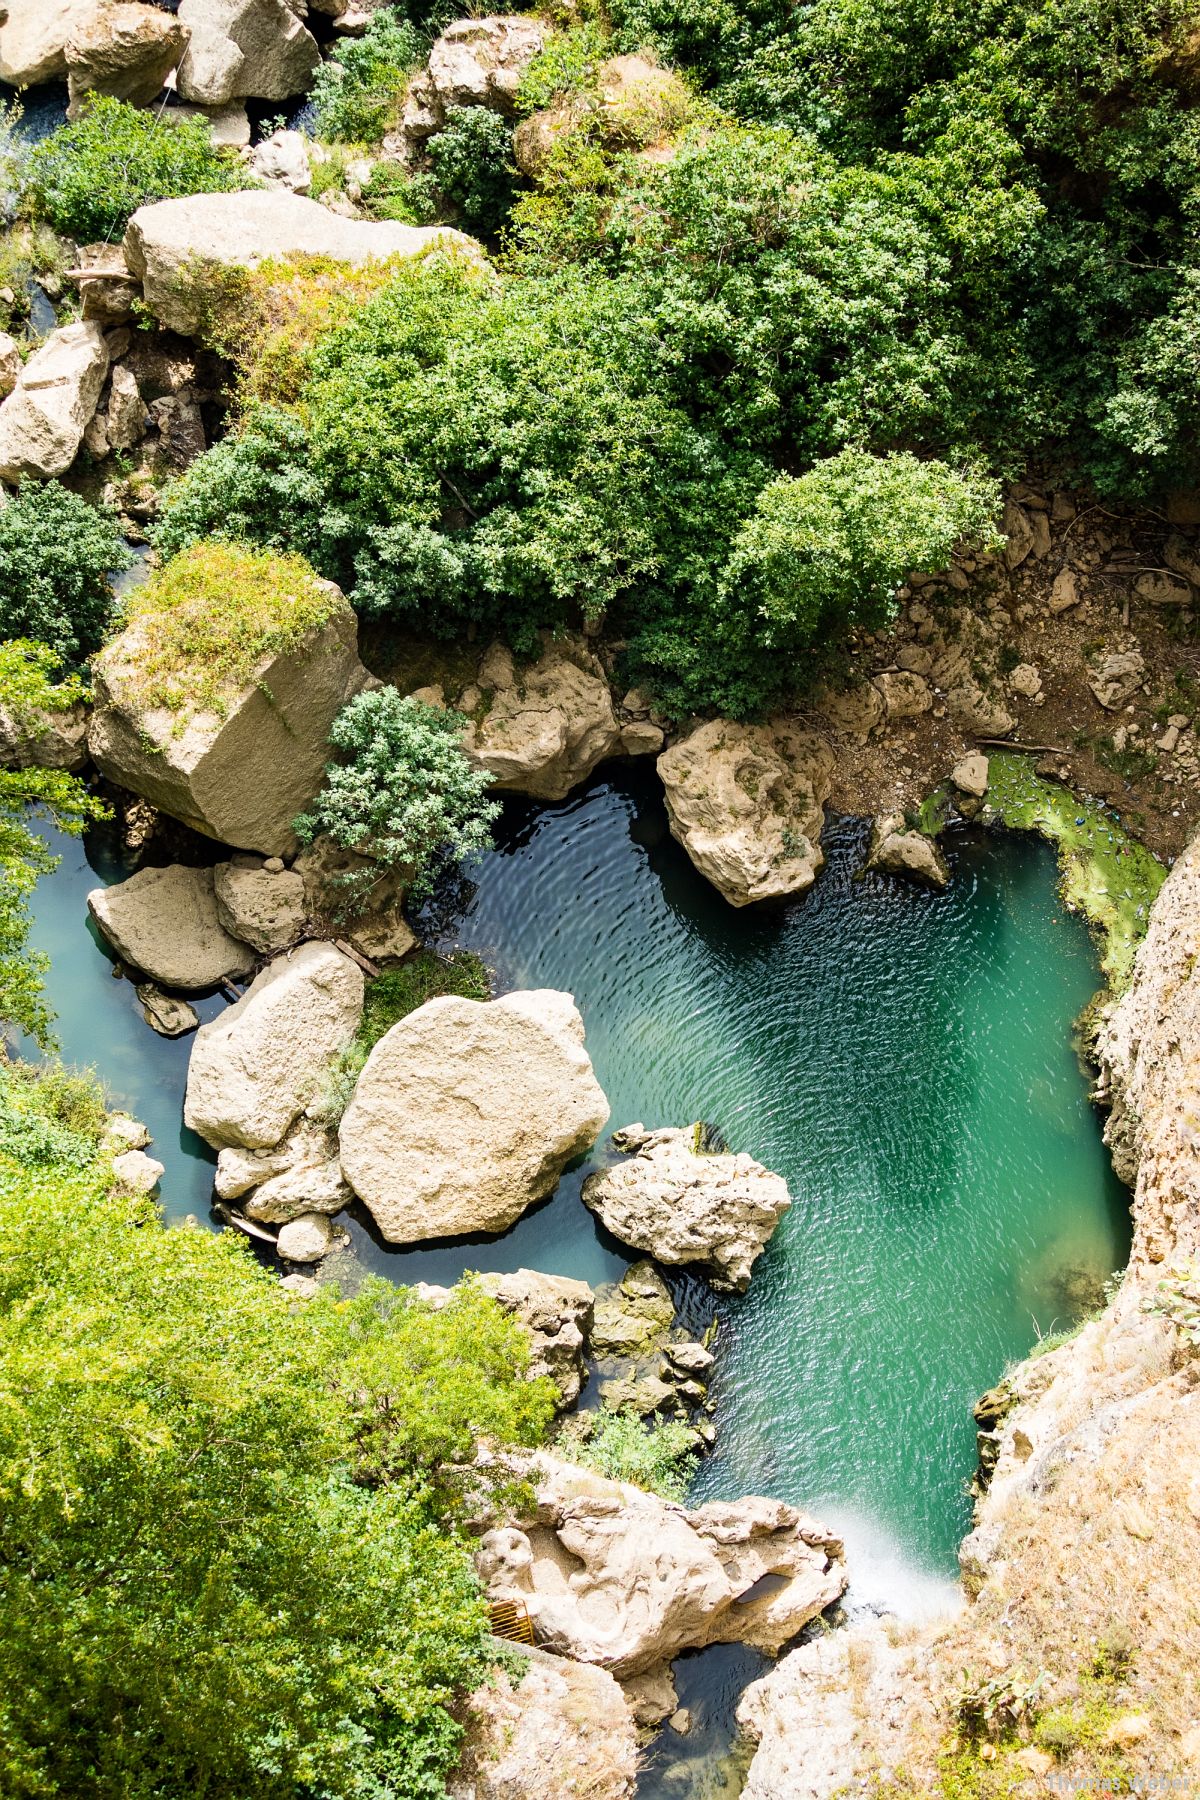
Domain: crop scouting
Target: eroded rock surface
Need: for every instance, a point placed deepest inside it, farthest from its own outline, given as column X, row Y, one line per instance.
column 241, row 777
column 468, row 1111
column 615, row 1576
column 254, row 1069
column 560, row 1730
column 557, row 1313
column 475, row 62
column 543, row 729
column 685, row 1205
column 164, row 922
column 263, row 907
column 747, row 804
column 895, row 849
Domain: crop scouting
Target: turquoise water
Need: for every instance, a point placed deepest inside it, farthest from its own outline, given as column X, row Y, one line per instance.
column 903, row 1059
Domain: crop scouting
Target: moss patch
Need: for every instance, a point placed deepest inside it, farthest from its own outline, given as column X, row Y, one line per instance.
column 212, row 614
column 1106, row 874
column 423, row 976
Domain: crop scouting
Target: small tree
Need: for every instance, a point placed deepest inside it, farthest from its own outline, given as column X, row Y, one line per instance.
column 403, row 792
column 57, row 554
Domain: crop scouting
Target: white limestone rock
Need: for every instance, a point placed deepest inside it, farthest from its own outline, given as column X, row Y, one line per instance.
column 260, row 906
column 688, row 1206
column 557, row 1313
column 54, row 401
column 164, row 923
column 550, row 1727
column 543, row 729
column 125, row 48
column 747, row 804
column 34, row 36
column 468, row 1111
column 242, row 49
column 255, row 1069
column 897, row 850
column 306, row 1238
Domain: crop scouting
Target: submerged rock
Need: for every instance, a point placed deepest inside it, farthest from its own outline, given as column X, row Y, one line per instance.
column 898, row 850
column 54, row 401
column 615, row 1576
column 243, row 775
column 164, row 1013
column 633, row 1317
column 546, row 1726
column 557, row 1313
column 687, row 1206
column 254, row 1069
column 747, row 804
column 468, row 1111
column 164, row 922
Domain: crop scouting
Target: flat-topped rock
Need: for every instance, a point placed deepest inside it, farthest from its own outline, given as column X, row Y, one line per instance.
column 747, row 804
column 254, row 1069
column 164, row 923
column 550, row 1727
column 264, row 907
column 177, row 248
column 687, row 1206
column 468, row 1111
column 243, row 775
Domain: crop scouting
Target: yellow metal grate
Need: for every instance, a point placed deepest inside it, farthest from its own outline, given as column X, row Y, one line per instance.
column 510, row 1619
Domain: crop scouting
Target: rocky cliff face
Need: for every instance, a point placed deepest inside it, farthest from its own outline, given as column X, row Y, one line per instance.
column 1080, row 1566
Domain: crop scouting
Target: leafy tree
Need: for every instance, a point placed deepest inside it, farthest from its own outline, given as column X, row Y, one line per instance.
column 226, row 1563
column 403, row 794
column 57, row 554
column 357, row 94
column 473, row 166
column 27, row 692
column 88, row 177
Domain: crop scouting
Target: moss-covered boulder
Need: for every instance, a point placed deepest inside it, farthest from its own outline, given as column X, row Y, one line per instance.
column 216, row 700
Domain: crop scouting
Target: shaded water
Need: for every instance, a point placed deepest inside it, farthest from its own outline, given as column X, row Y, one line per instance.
column 904, row 1059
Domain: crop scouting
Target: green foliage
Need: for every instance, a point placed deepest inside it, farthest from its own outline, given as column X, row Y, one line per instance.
column 210, row 615
column 90, row 175
column 226, row 1562
column 660, row 1457
column 56, row 556
column 394, row 193
column 567, row 63
column 402, row 793
column 420, row 977
column 50, row 1117
column 820, row 553
column 473, row 166
column 357, row 93
column 27, row 692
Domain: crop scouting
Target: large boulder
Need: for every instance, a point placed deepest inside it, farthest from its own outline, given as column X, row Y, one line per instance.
column 557, row 1313
column 475, row 62
column 747, row 804
column 263, row 907
column 255, row 1069
column 125, row 48
column 243, row 775
column 54, row 401
column 615, row 1576
column 242, row 49
column 40, row 739
column 686, row 1205
column 542, row 730
column 178, row 249
column 34, row 36
column 468, row 1111
column 164, row 922
column 895, row 849
column 545, row 1726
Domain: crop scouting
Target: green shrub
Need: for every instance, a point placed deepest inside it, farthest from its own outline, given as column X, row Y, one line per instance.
column 357, row 93
column 660, row 1457
column 473, row 166
column 57, row 554
column 394, row 193
column 209, row 616
column 50, row 1117
column 568, row 63
column 402, row 792
column 90, row 175
column 422, row 976
column 230, row 1559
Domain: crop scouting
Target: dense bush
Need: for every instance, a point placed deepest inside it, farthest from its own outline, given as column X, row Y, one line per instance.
column 473, row 166
column 356, row 95
column 90, row 175
column 402, row 792
column 27, row 693
column 660, row 1457
column 228, row 1557
column 57, row 555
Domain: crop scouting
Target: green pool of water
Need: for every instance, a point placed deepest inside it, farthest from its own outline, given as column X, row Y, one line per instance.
column 903, row 1059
